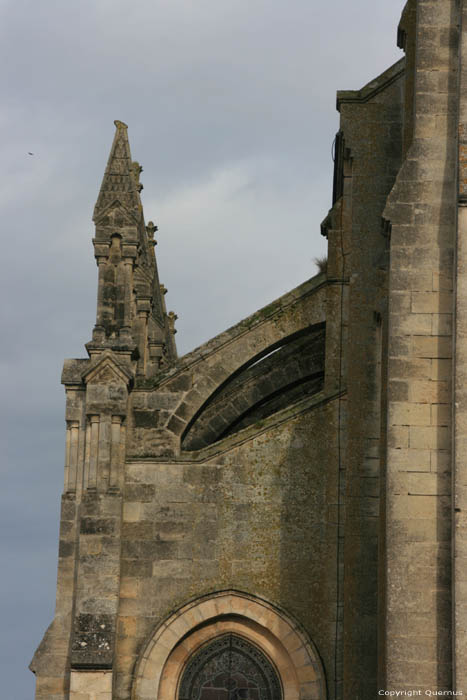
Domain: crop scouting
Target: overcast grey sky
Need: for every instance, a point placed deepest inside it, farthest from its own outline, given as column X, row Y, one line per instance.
column 231, row 111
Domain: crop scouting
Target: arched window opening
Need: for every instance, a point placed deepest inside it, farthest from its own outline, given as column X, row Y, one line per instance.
column 229, row 668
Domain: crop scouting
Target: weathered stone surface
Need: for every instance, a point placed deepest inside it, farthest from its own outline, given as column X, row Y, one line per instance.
column 92, row 641
column 311, row 456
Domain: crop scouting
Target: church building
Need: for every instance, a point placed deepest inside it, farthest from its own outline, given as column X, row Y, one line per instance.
column 281, row 514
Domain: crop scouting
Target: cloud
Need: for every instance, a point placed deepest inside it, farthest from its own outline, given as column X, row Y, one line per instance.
column 214, row 232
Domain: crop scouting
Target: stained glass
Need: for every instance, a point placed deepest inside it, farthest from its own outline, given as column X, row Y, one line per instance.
column 230, row 668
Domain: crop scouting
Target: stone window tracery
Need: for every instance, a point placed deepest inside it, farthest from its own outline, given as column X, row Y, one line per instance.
column 229, row 668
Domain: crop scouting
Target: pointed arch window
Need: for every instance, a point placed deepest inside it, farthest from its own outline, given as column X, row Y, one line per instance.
column 229, row 668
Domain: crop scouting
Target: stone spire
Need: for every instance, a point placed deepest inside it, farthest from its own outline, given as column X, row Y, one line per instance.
column 119, row 181
column 131, row 316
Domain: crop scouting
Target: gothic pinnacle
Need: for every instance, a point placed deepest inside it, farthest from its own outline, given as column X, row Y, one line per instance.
column 121, row 178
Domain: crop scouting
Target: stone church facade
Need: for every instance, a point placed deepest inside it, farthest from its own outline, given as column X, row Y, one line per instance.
column 281, row 514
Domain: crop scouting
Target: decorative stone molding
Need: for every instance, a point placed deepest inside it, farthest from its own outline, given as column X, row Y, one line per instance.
column 159, row 668
column 106, row 370
column 71, row 455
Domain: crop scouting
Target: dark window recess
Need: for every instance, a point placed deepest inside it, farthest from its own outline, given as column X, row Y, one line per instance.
column 282, row 375
column 338, row 157
column 305, row 386
column 230, row 668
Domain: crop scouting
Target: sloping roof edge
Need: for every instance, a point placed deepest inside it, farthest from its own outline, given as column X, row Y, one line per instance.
column 378, row 84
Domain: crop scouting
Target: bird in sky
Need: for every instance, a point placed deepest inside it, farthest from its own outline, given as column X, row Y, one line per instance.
column 30, row 154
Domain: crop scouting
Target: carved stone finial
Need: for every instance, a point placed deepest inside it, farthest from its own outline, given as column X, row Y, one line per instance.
column 137, row 170
column 172, row 316
column 151, row 228
column 120, row 125
column 163, row 289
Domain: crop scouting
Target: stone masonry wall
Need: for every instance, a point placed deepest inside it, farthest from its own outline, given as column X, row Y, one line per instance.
column 459, row 476
column 259, row 517
column 255, row 512
column 371, row 123
column 421, row 209
column 324, row 482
